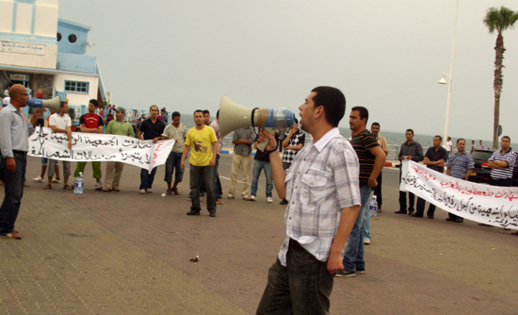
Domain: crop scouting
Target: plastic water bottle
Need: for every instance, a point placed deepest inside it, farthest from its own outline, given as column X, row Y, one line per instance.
column 78, row 184
column 373, row 207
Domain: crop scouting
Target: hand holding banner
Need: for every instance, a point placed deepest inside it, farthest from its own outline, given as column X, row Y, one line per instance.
column 486, row 204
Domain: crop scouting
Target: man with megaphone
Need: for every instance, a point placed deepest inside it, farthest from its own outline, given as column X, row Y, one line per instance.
column 322, row 190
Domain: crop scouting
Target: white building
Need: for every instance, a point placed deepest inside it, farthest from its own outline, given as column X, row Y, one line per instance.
column 47, row 54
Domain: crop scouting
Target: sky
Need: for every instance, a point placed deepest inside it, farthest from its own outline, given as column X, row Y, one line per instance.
column 384, row 55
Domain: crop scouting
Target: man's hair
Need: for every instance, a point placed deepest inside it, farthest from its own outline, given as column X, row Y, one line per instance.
column 410, row 131
column 507, row 138
column 62, row 104
column 176, row 114
column 437, row 136
column 94, row 101
column 333, row 101
column 151, row 107
column 197, row 111
column 364, row 113
column 206, row 111
column 376, row 124
column 460, row 140
column 217, row 114
column 449, row 138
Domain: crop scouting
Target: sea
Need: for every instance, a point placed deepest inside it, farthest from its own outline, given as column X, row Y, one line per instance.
column 394, row 139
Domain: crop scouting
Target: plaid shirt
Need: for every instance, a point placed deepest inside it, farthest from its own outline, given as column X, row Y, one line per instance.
column 322, row 180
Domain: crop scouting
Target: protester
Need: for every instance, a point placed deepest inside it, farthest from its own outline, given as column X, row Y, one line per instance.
column 261, row 162
column 14, row 144
column 206, row 120
column 472, row 146
column 449, row 148
column 150, row 129
column 375, row 129
column 134, row 122
column 241, row 159
column 410, row 150
column 216, row 187
column 164, row 116
column 460, row 165
column 480, row 145
column 434, row 159
column 177, row 131
column 119, row 126
column 91, row 123
column 60, row 123
column 372, row 160
column 293, row 142
column 43, row 122
column 501, row 164
column 203, row 144
column 318, row 221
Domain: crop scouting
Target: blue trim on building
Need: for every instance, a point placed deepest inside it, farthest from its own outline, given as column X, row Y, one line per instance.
column 14, row 16
column 33, row 20
column 36, row 39
column 45, row 71
column 73, row 25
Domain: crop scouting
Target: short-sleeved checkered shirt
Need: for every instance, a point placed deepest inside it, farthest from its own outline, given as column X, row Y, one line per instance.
column 322, row 180
column 459, row 164
column 506, row 172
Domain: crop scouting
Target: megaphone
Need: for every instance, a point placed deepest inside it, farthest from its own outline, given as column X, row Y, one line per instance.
column 53, row 104
column 233, row 116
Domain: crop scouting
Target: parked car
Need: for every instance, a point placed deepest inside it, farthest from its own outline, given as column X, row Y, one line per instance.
column 481, row 173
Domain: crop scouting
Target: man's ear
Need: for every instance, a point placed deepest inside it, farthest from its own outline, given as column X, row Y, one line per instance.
column 319, row 111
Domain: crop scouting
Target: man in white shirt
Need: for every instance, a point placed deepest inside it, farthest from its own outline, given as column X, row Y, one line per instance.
column 449, row 148
column 61, row 123
column 323, row 194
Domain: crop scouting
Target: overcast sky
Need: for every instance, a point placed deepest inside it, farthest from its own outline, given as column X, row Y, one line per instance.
column 384, row 55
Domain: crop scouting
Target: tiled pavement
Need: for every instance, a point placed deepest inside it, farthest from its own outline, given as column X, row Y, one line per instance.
column 126, row 253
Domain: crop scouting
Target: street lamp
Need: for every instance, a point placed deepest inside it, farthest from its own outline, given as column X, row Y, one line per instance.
column 443, row 81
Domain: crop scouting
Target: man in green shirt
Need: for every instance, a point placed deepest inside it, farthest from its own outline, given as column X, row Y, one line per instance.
column 118, row 126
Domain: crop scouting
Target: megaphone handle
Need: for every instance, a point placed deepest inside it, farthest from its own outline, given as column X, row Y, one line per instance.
column 262, row 146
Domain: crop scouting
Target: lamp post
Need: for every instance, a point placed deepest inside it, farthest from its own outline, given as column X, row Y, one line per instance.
column 443, row 81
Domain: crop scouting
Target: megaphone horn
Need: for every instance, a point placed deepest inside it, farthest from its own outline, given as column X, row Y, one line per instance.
column 233, row 116
column 53, row 104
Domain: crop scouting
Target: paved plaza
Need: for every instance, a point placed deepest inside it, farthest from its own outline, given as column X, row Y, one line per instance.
column 128, row 253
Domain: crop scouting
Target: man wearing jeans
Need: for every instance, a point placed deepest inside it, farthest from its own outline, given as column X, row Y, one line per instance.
column 323, row 192
column 150, row 129
column 261, row 162
column 372, row 159
column 202, row 141
column 178, row 132
column 14, row 144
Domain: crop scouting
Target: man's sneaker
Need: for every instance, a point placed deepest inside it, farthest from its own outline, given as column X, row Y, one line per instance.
column 366, row 241
column 360, row 270
column 106, row 189
column 230, row 196
column 38, row 179
column 252, row 198
column 346, row 273
column 12, row 236
column 245, row 197
column 269, row 199
column 192, row 212
column 98, row 185
column 284, row 202
column 212, row 213
column 56, row 180
column 142, row 191
column 149, row 191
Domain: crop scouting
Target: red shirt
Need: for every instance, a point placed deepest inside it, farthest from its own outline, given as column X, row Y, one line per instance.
column 91, row 120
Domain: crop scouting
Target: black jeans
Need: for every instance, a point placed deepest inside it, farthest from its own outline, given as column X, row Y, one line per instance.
column 195, row 174
column 13, row 185
column 421, row 205
column 302, row 287
column 377, row 191
column 402, row 199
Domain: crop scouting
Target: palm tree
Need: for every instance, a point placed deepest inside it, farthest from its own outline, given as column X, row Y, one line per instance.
column 499, row 20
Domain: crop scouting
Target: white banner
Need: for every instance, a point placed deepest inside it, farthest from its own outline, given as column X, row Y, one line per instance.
column 99, row 147
column 486, row 204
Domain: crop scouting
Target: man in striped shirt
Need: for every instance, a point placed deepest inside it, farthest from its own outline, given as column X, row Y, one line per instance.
column 460, row 165
column 502, row 164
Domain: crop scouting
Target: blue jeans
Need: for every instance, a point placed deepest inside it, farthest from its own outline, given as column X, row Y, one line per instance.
column 173, row 164
column 13, row 183
column 258, row 167
column 302, row 287
column 146, row 179
column 216, row 187
column 353, row 256
column 366, row 225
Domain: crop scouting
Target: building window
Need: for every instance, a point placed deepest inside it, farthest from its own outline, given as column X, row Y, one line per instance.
column 76, row 86
column 72, row 38
column 25, row 1
column 59, row 37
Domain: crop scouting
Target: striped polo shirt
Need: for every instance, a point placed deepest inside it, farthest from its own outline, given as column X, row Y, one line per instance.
column 506, row 172
column 459, row 164
column 362, row 143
